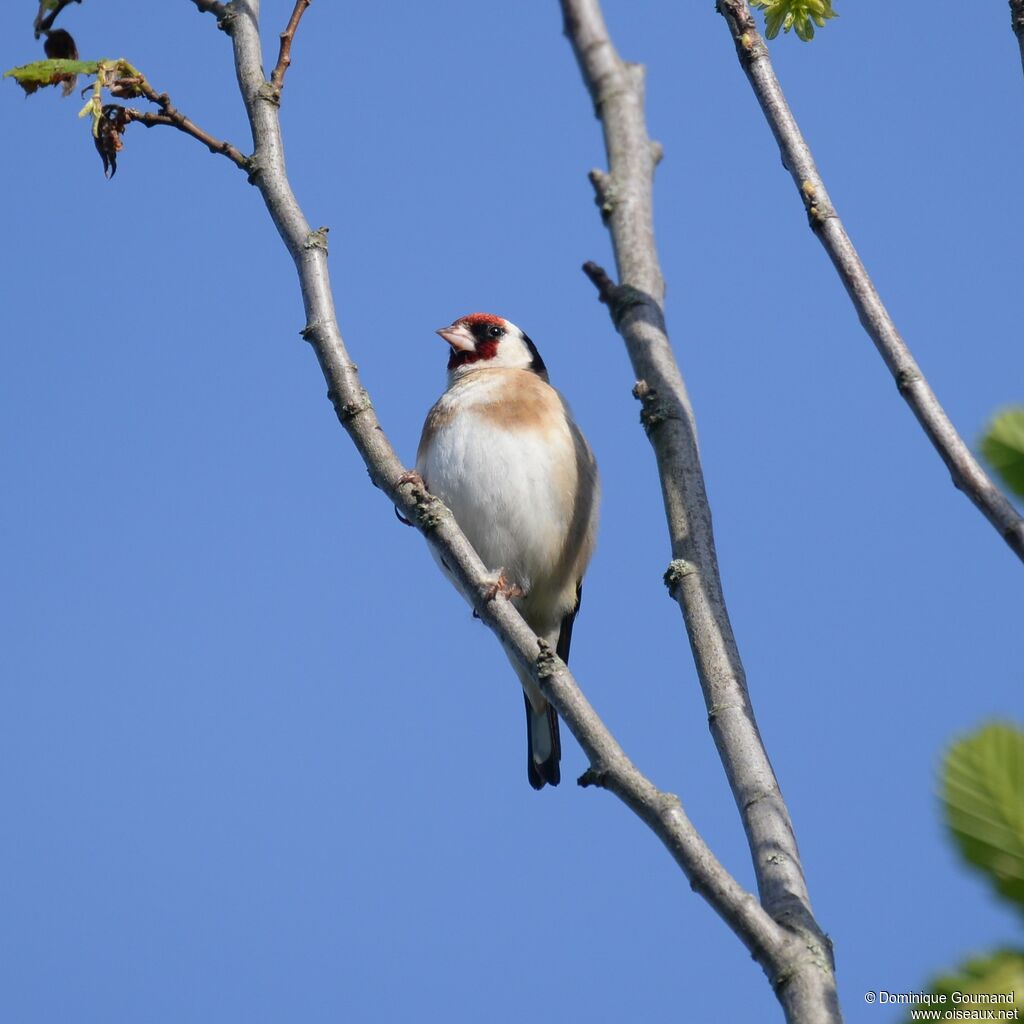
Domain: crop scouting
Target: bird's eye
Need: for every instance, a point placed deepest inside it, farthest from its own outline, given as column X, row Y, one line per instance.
column 494, row 331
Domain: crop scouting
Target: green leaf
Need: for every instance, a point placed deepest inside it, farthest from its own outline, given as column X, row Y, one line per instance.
column 41, row 71
column 1003, row 447
column 801, row 15
column 998, row 974
column 50, row 72
column 983, row 794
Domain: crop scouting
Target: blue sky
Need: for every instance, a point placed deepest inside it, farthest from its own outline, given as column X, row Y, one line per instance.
column 257, row 761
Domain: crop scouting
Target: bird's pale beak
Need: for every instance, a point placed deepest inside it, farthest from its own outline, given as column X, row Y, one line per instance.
column 459, row 337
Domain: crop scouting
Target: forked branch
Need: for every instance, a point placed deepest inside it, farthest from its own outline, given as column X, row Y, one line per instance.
column 284, row 55
column 964, row 468
column 625, row 198
column 782, row 954
column 170, row 116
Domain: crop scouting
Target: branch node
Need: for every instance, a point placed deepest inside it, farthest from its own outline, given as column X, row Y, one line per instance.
column 653, row 411
column 619, row 298
column 320, row 332
column 350, row 410
column 764, row 794
column 254, row 168
column 624, row 298
column 547, row 661
column 636, row 74
column 743, row 29
column 316, row 239
column 657, row 152
column 818, row 208
column 268, row 93
column 753, row 46
column 594, row 777
column 429, row 511
column 224, row 13
column 716, row 709
column 808, row 953
column 669, row 803
column 604, row 193
column 345, row 411
column 678, row 569
column 906, row 379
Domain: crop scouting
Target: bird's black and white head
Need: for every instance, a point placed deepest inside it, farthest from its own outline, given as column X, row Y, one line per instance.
column 482, row 340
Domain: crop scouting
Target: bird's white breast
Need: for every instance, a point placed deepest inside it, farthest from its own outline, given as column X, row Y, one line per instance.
column 510, row 485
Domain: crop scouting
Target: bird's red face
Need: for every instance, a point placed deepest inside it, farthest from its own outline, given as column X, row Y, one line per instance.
column 474, row 338
column 483, row 339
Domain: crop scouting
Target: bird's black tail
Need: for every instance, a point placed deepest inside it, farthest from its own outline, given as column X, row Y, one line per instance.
column 543, row 746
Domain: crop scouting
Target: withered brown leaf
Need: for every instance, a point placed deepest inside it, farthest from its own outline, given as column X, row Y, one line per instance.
column 109, row 130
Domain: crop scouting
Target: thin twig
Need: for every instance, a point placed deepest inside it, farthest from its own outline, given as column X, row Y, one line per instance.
column 45, row 23
column 782, row 955
column 284, row 56
column 151, row 120
column 170, row 115
column 1017, row 23
column 601, row 281
column 625, row 198
column 965, row 470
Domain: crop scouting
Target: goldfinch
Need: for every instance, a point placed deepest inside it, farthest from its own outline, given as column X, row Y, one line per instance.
column 501, row 450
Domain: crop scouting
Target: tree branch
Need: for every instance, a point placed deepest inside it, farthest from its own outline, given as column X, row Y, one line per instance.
column 966, row 472
column 625, row 199
column 284, row 56
column 170, row 115
column 1017, row 23
column 783, row 956
column 150, row 120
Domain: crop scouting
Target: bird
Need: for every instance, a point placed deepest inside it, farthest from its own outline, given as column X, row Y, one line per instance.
column 501, row 449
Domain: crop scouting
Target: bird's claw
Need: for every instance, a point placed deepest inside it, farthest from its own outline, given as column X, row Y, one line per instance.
column 504, row 586
column 410, row 477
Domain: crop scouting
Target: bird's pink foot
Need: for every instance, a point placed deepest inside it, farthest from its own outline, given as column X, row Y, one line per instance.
column 411, row 477
column 504, row 586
